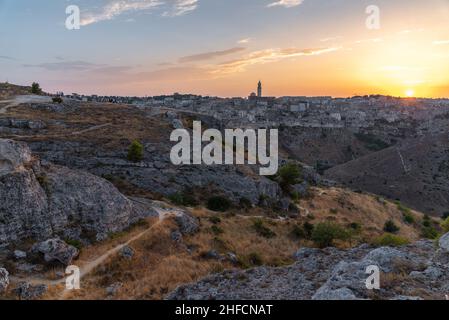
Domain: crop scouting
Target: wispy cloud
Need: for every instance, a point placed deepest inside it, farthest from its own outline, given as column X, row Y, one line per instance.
column 181, row 7
column 286, row 3
column 117, row 8
column 7, row 58
column 440, row 42
column 244, row 41
column 331, row 39
column 66, row 65
column 210, row 55
column 267, row 56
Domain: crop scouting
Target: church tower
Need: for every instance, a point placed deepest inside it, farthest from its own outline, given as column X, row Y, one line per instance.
column 259, row 89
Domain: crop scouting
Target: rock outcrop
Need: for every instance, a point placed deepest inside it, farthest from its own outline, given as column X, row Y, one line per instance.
column 4, row 279
column 55, row 250
column 46, row 201
column 413, row 272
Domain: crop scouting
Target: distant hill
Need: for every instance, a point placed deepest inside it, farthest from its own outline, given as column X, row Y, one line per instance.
column 416, row 172
column 8, row 90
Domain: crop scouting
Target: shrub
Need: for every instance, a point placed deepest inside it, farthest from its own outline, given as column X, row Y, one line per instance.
column 57, row 99
column 289, row 175
column 245, row 203
column 36, row 88
column 325, row 233
column 445, row 225
column 390, row 240
column 427, row 222
column 219, row 204
column 255, row 259
column 75, row 243
column 216, row 230
column 391, row 227
column 308, row 229
column 429, row 232
column 135, row 152
column 445, row 215
column 298, row 232
column 262, row 230
column 215, row 219
column 409, row 218
column 183, row 199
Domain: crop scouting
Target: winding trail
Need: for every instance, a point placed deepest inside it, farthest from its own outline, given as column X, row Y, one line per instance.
column 23, row 99
column 87, row 267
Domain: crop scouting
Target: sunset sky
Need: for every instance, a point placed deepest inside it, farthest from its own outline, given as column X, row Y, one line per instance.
column 224, row 47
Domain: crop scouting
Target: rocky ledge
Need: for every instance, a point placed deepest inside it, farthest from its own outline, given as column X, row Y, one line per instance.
column 413, row 272
column 42, row 201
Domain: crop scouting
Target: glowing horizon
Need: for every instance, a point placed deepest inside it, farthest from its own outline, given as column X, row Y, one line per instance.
column 296, row 48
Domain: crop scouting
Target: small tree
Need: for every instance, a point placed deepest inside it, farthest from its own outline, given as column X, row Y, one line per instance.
column 135, row 153
column 325, row 233
column 36, row 88
column 289, row 175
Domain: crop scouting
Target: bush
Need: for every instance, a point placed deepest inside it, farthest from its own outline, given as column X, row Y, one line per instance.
column 216, row 230
column 427, row 222
column 390, row 240
column 409, row 218
column 219, row 204
column 262, row 230
column 445, row 215
column 255, row 259
column 429, row 233
column 245, row 203
column 74, row 243
column 391, row 227
column 183, row 199
column 135, row 153
column 308, row 229
column 57, row 99
column 214, row 220
column 445, row 225
column 298, row 232
column 289, row 175
column 36, row 88
column 325, row 233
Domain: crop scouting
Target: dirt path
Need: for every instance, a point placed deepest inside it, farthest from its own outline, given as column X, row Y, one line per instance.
column 87, row 267
column 23, row 99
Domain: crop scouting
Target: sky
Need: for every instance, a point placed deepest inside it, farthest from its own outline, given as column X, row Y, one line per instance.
column 224, row 47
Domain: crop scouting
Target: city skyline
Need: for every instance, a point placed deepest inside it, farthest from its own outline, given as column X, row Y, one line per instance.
column 153, row 47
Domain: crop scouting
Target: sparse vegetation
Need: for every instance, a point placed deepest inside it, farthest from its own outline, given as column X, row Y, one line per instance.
column 57, row 100
column 135, row 152
column 445, row 225
column 262, row 230
column 371, row 142
column 183, row 199
column 391, row 240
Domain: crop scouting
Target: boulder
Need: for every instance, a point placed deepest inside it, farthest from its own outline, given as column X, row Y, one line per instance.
column 127, row 252
column 19, row 255
column 26, row 291
column 4, row 280
column 187, row 224
column 55, row 250
column 13, row 156
column 444, row 242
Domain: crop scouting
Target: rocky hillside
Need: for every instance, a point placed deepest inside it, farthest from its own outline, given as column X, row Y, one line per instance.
column 414, row 272
column 415, row 172
column 39, row 201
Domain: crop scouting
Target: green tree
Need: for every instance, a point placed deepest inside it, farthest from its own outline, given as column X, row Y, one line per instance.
column 289, row 175
column 135, row 152
column 36, row 88
column 325, row 233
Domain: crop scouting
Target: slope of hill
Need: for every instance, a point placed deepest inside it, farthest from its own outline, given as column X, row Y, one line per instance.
column 415, row 172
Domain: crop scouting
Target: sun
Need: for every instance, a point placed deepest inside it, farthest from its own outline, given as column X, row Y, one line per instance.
column 409, row 93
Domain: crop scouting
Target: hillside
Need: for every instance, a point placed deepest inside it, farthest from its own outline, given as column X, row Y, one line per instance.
column 415, row 172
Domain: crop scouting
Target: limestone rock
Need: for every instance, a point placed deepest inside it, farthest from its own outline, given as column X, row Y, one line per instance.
column 4, row 279
column 26, row 291
column 13, row 155
column 444, row 242
column 56, row 250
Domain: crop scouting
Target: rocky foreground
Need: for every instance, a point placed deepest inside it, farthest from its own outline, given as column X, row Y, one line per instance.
column 413, row 272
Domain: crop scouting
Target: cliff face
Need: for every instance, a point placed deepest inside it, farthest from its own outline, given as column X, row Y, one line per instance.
column 43, row 201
